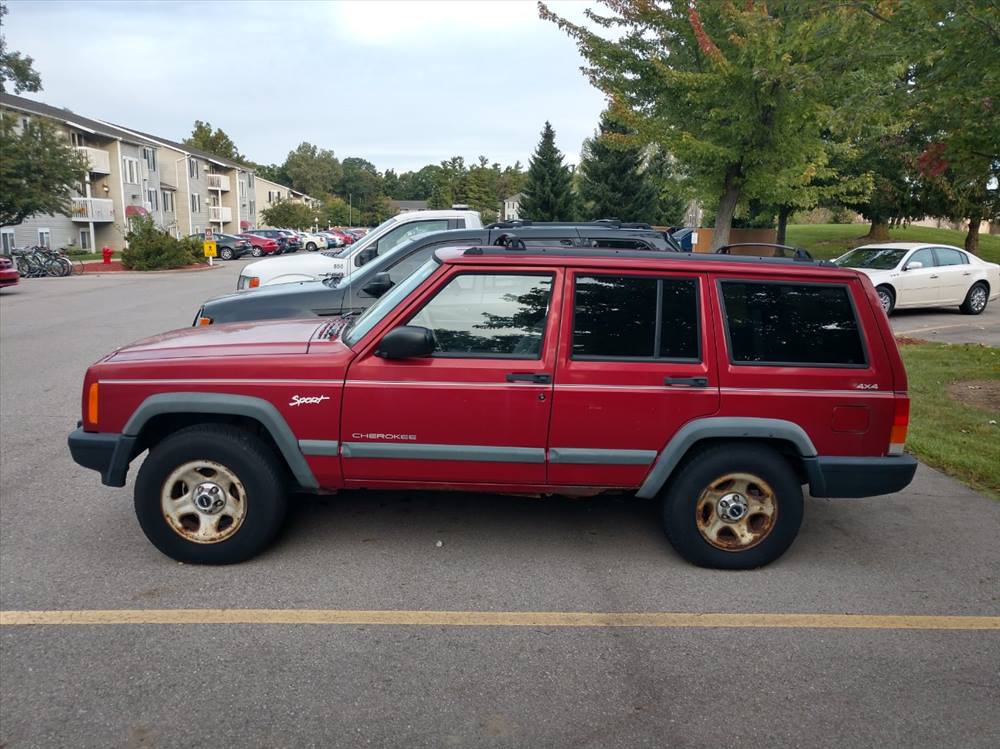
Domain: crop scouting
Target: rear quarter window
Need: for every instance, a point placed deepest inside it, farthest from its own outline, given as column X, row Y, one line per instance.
column 791, row 324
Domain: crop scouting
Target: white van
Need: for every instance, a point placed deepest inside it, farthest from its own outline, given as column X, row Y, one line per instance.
column 343, row 262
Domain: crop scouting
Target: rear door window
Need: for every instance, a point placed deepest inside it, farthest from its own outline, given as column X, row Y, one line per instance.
column 635, row 317
column 948, row 256
column 785, row 324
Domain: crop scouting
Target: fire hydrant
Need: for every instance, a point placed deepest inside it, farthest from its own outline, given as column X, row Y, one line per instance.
column 106, row 253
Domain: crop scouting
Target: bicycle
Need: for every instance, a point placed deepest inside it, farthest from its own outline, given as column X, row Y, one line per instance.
column 38, row 262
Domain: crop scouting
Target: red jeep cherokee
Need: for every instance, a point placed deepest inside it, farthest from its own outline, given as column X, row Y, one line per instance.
column 718, row 385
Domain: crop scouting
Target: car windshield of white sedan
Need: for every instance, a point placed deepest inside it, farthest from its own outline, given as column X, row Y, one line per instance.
column 387, row 302
column 875, row 258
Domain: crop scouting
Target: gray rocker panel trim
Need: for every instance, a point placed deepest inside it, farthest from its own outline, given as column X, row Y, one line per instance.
column 477, row 453
column 325, row 448
column 598, row 456
column 235, row 405
column 721, row 426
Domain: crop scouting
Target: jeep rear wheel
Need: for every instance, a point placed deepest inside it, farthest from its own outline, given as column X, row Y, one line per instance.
column 733, row 507
column 210, row 494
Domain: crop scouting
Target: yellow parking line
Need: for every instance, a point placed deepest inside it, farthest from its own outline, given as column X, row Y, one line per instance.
column 654, row 620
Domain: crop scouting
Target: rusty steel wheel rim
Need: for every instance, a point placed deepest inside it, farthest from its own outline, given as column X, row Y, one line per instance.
column 737, row 511
column 203, row 502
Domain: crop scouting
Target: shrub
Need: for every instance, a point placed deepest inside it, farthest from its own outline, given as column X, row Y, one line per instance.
column 150, row 248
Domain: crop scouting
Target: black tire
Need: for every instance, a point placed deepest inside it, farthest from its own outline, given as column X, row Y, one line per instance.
column 976, row 300
column 256, row 252
column 887, row 298
column 683, row 498
column 226, row 253
column 311, row 247
column 248, row 458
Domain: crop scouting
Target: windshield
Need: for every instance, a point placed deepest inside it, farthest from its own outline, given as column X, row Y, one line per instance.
column 368, row 238
column 875, row 258
column 387, row 302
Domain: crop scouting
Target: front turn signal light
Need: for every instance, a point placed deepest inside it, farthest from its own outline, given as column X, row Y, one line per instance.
column 203, row 320
column 92, row 404
column 254, row 282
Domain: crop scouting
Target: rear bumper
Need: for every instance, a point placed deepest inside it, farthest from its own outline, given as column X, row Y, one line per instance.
column 108, row 454
column 859, row 477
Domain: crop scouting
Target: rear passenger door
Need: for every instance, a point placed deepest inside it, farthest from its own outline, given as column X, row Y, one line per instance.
column 954, row 275
column 636, row 362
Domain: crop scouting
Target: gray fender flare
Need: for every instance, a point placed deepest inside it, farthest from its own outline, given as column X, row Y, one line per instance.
column 735, row 427
column 235, row 405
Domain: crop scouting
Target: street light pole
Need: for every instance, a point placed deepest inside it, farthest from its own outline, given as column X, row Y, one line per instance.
column 350, row 209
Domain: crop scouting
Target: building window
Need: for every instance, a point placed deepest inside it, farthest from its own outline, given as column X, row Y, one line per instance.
column 253, row 207
column 84, row 239
column 149, row 155
column 44, row 238
column 77, row 139
column 783, row 324
column 250, row 179
column 7, row 237
column 130, row 170
column 168, row 201
column 153, row 202
column 192, row 168
column 197, row 230
column 195, row 203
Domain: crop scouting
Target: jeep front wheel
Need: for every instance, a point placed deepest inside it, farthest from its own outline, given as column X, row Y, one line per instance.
column 210, row 494
column 733, row 507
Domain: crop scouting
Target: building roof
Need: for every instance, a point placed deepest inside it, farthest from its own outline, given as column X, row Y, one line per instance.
column 191, row 150
column 73, row 119
column 409, row 205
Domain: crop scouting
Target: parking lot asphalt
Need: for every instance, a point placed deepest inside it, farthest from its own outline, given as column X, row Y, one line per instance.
column 948, row 325
column 371, row 564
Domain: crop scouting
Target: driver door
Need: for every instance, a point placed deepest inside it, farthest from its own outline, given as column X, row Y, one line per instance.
column 477, row 410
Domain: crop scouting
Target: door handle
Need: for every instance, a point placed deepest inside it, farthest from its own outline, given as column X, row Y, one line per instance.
column 934, row 276
column 967, row 273
column 537, row 379
column 691, row 382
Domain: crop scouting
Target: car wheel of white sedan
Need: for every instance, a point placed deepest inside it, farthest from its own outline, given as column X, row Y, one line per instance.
column 886, row 298
column 976, row 300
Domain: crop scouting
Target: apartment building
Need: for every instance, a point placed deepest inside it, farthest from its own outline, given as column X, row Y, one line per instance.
column 123, row 180
column 184, row 189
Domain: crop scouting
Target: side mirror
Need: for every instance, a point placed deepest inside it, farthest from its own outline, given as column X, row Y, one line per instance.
column 378, row 285
column 366, row 255
column 914, row 265
column 406, row 342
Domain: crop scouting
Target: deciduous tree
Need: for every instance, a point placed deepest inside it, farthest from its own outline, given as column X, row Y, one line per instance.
column 213, row 141
column 16, row 70
column 289, row 214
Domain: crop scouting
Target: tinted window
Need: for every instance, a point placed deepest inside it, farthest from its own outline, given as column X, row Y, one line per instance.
column 947, row 256
column 924, row 256
column 406, row 232
column 776, row 323
column 405, row 266
column 625, row 317
column 479, row 314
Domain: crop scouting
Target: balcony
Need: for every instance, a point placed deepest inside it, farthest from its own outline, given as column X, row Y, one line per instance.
column 218, row 182
column 92, row 209
column 100, row 162
column 220, row 213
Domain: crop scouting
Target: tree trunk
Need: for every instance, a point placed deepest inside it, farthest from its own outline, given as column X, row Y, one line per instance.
column 783, row 213
column 727, row 207
column 879, row 231
column 972, row 236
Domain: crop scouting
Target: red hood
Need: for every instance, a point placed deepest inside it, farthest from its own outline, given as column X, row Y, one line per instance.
column 231, row 339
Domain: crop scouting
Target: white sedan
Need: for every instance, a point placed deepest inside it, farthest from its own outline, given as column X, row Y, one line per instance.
column 911, row 274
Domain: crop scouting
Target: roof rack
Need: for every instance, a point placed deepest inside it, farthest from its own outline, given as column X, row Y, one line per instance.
column 797, row 252
column 497, row 251
column 611, row 223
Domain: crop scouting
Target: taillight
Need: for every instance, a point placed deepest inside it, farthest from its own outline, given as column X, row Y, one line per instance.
column 92, row 404
column 900, row 424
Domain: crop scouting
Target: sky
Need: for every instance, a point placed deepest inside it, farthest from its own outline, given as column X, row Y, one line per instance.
column 402, row 83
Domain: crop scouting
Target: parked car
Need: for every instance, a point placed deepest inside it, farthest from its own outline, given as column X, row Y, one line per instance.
column 312, row 241
column 277, row 235
column 9, row 275
column 228, row 246
column 361, row 289
column 912, row 274
column 344, row 236
column 332, row 239
column 387, row 235
column 261, row 245
column 294, row 244
column 717, row 385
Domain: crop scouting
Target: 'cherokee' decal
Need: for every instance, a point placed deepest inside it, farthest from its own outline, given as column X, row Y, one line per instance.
column 380, row 436
column 307, row 400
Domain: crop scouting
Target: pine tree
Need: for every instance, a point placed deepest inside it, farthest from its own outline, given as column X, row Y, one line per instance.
column 548, row 189
column 613, row 183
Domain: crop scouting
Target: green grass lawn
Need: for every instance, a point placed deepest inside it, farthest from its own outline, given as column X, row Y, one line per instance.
column 953, row 437
column 830, row 240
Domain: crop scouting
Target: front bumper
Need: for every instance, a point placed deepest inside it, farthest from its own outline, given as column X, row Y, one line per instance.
column 859, row 477
column 108, row 454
